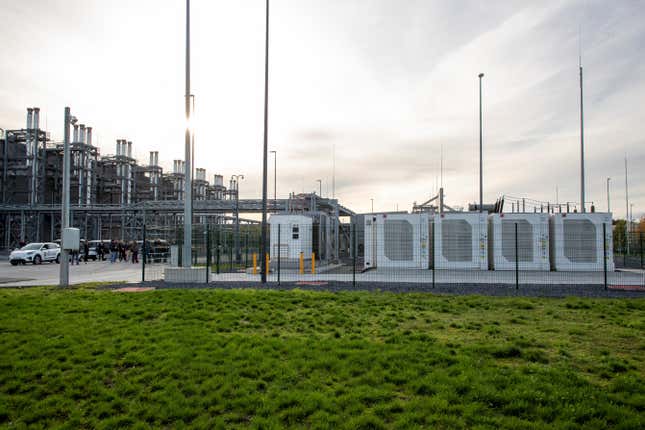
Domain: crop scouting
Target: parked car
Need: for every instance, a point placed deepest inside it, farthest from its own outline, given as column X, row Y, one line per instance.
column 93, row 244
column 35, row 253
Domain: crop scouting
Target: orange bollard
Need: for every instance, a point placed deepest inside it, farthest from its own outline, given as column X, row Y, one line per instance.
column 255, row 263
column 267, row 263
column 313, row 263
column 302, row 263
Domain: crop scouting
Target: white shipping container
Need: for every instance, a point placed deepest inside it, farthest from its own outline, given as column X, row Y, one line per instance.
column 532, row 241
column 396, row 240
column 577, row 242
column 461, row 240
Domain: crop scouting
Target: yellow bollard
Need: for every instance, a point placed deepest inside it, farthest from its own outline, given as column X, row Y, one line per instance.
column 255, row 263
column 267, row 263
column 302, row 263
column 313, row 263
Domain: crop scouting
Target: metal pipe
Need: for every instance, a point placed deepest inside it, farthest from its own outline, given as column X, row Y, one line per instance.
column 34, row 154
column 29, row 117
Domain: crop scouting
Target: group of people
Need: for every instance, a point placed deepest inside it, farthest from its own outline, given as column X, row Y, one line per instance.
column 124, row 251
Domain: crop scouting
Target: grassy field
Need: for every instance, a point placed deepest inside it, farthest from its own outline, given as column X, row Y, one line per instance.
column 267, row 359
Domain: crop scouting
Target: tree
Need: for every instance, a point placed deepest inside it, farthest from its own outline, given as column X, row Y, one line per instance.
column 619, row 235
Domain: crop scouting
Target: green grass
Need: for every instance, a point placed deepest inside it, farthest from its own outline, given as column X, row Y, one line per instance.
column 265, row 359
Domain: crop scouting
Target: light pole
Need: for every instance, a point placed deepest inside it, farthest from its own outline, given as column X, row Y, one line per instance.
column 275, row 178
column 608, row 199
column 64, row 256
column 626, row 205
column 263, row 237
column 481, row 163
column 582, row 148
column 372, row 205
column 188, row 182
column 235, row 184
column 319, row 186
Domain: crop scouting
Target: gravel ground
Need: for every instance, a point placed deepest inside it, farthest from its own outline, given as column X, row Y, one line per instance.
column 380, row 287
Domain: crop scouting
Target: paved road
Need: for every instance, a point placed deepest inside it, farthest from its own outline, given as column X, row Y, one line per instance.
column 47, row 273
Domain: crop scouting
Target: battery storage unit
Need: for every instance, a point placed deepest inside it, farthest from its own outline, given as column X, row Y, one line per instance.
column 577, row 242
column 461, row 241
column 396, row 241
column 532, row 241
column 295, row 237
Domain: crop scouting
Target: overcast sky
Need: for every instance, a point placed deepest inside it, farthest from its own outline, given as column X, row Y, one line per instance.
column 387, row 83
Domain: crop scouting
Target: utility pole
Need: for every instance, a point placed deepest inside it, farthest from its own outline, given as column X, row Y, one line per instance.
column 582, row 147
column 372, row 205
column 263, row 237
column 320, row 186
column 64, row 255
column 188, row 182
column 481, row 163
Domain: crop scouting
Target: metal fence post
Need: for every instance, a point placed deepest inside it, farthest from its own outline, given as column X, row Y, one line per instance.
column 517, row 261
column 604, row 252
column 433, row 258
column 279, row 253
column 354, row 256
column 640, row 239
column 217, row 250
column 208, row 251
column 143, row 260
column 246, row 250
column 230, row 252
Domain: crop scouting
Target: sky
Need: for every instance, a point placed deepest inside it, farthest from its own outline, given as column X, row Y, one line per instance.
column 384, row 85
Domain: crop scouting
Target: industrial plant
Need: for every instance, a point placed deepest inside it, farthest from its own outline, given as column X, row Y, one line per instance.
column 112, row 195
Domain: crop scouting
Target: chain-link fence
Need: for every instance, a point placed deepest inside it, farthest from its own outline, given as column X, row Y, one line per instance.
column 453, row 249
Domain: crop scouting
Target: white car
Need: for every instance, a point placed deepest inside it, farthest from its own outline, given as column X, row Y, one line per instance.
column 35, row 253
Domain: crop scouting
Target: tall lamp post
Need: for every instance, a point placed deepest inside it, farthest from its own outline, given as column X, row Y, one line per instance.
column 481, row 163
column 235, row 185
column 582, row 147
column 372, row 200
column 319, row 186
column 263, row 237
column 188, row 180
column 275, row 178
column 64, row 256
